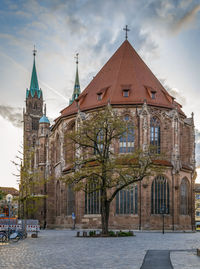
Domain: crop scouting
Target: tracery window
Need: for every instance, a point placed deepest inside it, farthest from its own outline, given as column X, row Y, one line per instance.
column 160, row 196
column 92, row 199
column 58, row 194
column 35, row 106
column 57, row 148
column 126, row 143
column 127, row 201
column 69, row 146
column 70, row 200
column 155, row 134
column 35, row 124
column 99, row 142
column 184, row 197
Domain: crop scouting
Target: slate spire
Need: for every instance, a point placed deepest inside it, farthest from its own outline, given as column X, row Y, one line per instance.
column 77, row 90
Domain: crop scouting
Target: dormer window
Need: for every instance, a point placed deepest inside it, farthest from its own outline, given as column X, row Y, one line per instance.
column 126, row 93
column 99, row 96
column 153, row 95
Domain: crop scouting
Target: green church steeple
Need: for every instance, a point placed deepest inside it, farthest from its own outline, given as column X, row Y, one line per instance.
column 77, row 90
column 34, row 86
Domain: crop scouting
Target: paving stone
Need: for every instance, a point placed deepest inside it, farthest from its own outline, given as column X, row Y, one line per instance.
column 60, row 249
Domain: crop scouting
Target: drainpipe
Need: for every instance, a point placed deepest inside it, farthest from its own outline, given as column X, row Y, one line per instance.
column 172, row 199
column 140, row 210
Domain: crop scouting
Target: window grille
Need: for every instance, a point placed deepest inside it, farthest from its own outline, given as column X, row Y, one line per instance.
column 155, row 135
column 160, row 196
column 126, row 143
column 184, row 197
column 92, row 199
column 127, row 201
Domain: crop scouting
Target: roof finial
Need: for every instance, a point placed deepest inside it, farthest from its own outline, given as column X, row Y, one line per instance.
column 126, row 30
column 34, row 51
column 76, row 91
column 45, row 109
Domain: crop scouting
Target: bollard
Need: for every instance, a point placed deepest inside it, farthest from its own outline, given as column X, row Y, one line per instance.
column 78, row 234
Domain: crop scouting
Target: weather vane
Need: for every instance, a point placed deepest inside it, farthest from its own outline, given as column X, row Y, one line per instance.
column 76, row 57
column 126, row 29
column 34, row 51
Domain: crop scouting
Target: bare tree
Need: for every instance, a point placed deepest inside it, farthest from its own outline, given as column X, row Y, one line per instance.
column 30, row 180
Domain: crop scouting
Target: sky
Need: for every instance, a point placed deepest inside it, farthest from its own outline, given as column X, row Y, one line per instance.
column 166, row 34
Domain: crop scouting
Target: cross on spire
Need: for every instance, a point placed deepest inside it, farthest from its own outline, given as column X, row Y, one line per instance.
column 76, row 57
column 34, row 51
column 126, row 30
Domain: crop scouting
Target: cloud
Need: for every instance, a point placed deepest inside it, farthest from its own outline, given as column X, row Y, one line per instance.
column 187, row 19
column 174, row 92
column 12, row 114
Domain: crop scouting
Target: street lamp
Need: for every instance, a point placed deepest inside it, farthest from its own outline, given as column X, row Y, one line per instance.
column 9, row 198
column 163, row 215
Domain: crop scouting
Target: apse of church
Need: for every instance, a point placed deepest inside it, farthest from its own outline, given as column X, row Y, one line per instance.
column 129, row 86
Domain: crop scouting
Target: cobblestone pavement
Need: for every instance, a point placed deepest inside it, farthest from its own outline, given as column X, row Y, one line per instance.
column 59, row 249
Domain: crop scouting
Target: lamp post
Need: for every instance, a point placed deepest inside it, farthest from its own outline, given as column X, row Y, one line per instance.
column 9, row 198
column 163, row 217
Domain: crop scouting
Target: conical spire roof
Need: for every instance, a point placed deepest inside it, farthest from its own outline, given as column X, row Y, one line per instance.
column 77, row 90
column 125, row 70
column 34, row 81
column 34, row 86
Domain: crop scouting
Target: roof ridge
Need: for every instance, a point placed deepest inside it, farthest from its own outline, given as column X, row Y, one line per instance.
column 113, row 89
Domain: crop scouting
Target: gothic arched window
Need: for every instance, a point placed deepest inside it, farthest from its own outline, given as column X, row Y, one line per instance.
column 35, row 124
column 126, row 143
column 58, row 194
column 160, row 196
column 184, row 197
column 127, row 201
column 57, row 148
column 70, row 200
column 92, row 199
column 35, row 106
column 99, row 142
column 155, row 134
column 69, row 146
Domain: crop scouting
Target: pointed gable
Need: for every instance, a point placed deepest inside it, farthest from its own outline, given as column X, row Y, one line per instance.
column 124, row 79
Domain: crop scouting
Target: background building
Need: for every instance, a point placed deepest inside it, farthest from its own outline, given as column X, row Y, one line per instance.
column 197, row 203
column 130, row 88
column 4, row 207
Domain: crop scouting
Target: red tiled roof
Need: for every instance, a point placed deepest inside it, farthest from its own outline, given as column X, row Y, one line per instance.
column 124, row 70
column 10, row 190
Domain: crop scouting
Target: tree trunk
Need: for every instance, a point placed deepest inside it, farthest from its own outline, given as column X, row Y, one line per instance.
column 105, row 210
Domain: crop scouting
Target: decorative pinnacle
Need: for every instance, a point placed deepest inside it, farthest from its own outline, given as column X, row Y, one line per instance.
column 76, row 57
column 126, row 30
column 34, row 51
column 45, row 109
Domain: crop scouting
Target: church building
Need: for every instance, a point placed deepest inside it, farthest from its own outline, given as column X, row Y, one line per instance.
column 131, row 88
